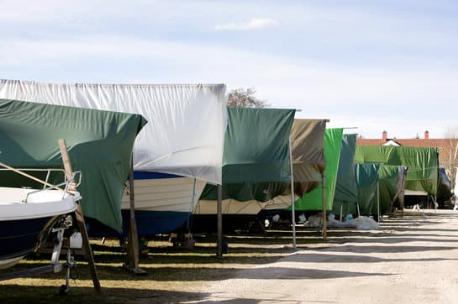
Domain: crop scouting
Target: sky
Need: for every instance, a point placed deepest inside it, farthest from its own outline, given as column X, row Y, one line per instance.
column 366, row 65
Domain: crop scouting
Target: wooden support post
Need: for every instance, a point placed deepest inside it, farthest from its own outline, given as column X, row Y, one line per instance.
column 132, row 246
column 80, row 219
column 219, row 219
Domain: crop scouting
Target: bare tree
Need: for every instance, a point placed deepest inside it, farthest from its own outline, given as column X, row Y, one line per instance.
column 450, row 154
column 245, row 99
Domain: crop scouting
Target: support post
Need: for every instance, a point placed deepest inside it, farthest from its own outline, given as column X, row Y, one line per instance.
column 219, row 220
column 80, row 219
column 293, row 214
column 324, row 206
column 132, row 256
column 378, row 201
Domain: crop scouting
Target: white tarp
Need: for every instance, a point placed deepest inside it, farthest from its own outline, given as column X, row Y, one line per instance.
column 186, row 123
column 455, row 190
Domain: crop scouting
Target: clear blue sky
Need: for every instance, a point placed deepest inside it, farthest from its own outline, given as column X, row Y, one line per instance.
column 372, row 64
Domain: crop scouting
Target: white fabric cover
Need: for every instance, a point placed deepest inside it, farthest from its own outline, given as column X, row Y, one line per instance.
column 186, row 123
column 455, row 190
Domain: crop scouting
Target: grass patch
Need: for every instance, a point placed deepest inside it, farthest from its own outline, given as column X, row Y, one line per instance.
column 173, row 274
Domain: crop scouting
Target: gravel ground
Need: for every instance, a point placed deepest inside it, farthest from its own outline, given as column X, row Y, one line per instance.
column 408, row 260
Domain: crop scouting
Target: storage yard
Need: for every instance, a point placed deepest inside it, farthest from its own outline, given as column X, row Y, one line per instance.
column 408, row 259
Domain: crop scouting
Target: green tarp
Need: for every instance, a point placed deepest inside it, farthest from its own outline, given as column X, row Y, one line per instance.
column 313, row 200
column 367, row 178
column 345, row 196
column 256, row 158
column 99, row 145
column 388, row 180
column 422, row 163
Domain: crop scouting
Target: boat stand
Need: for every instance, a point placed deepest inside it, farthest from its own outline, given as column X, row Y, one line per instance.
column 54, row 266
column 80, row 219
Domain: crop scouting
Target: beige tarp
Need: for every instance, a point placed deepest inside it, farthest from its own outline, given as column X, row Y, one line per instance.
column 307, row 143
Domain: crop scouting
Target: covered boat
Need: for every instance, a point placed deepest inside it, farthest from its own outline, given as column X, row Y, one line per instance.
column 27, row 217
column 307, row 145
column 346, row 200
column 422, row 166
column 313, row 200
column 256, row 167
column 99, row 145
column 184, row 140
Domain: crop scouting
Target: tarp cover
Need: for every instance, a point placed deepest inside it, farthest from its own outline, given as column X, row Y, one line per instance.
column 186, row 126
column 99, row 145
column 455, row 189
column 346, row 193
column 422, row 163
column 256, row 154
column 313, row 200
column 307, row 145
column 388, row 181
column 366, row 176
column 444, row 187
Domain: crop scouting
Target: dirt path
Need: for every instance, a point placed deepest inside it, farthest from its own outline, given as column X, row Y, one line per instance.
column 408, row 260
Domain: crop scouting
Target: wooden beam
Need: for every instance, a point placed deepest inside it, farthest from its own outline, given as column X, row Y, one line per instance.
column 80, row 219
column 219, row 220
column 132, row 258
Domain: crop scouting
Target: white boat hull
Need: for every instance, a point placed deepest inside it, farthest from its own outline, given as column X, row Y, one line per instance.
column 25, row 217
column 161, row 204
column 166, row 194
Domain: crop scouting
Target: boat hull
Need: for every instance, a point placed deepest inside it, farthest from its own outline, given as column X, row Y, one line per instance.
column 163, row 204
column 248, row 215
column 20, row 237
column 26, row 218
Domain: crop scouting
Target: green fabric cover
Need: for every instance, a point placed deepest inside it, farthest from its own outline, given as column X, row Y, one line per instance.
column 388, row 179
column 256, row 156
column 366, row 176
column 99, row 145
column 345, row 196
column 422, row 163
column 313, row 201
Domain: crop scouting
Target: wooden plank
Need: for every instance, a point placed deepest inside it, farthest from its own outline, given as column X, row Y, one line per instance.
column 325, row 224
column 80, row 219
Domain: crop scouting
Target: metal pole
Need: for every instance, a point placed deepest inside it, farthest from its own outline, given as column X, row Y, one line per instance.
column 324, row 206
column 293, row 215
column 220, row 221
column 378, row 200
